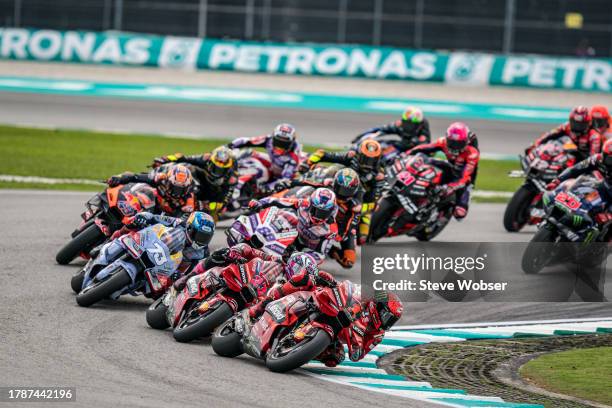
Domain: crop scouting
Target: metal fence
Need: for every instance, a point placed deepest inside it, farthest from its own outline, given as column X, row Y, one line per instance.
column 561, row 27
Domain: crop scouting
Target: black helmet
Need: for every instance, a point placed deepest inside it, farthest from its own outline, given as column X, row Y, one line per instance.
column 346, row 183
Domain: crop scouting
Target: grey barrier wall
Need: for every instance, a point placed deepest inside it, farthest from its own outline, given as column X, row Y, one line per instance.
column 555, row 27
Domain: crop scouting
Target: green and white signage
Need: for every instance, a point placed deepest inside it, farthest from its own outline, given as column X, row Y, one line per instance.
column 306, row 59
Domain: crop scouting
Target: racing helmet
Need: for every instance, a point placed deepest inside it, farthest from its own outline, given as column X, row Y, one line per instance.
column 369, row 154
column 220, row 165
column 600, row 118
column 346, row 184
column 457, row 137
column 412, row 118
column 200, row 229
column 283, row 138
column 580, row 120
column 177, row 183
column 322, row 205
column 385, row 309
column 301, row 261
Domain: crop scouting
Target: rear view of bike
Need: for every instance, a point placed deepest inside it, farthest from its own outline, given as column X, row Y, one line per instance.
column 539, row 167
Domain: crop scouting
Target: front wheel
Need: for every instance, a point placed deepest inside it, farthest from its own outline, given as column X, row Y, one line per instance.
column 517, row 210
column 226, row 342
column 539, row 251
column 283, row 357
column 192, row 328
column 101, row 290
column 76, row 283
column 83, row 242
column 380, row 219
column 156, row 315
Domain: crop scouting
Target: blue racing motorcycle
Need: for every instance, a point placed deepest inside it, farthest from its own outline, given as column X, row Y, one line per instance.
column 143, row 262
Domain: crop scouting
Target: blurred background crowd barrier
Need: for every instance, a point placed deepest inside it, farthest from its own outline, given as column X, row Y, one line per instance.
column 555, row 27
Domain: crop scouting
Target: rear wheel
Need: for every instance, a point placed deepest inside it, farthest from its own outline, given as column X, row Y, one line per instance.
column 193, row 327
column 226, row 342
column 379, row 224
column 517, row 210
column 284, row 358
column 83, row 242
column 101, row 290
column 539, row 251
column 156, row 315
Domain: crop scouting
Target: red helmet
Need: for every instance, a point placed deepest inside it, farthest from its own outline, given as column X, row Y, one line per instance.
column 457, row 137
column 606, row 154
column 580, row 120
column 600, row 118
column 385, row 309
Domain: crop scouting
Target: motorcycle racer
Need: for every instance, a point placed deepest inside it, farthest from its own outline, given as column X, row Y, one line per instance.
column 349, row 197
column 174, row 184
column 601, row 121
column 366, row 162
column 315, row 220
column 282, row 147
column 307, row 278
column 412, row 127
column 461, row 153
column 372, row 317
column 268, row 269
column 216, row 173
column 190, row 236
column 579, row 129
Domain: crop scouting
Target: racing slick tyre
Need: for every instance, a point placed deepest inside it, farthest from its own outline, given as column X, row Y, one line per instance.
column 103, row 289
column 203, row 325
column 425, row 236
column 76, row 282
column 156, row 315
column 517, row 210
column 85, row 241
column 226, row 342
column 281, row 360
column 539, row 251
column 380, row 219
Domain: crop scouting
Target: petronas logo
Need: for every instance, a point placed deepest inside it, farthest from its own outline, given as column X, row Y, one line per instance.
column 466, row 67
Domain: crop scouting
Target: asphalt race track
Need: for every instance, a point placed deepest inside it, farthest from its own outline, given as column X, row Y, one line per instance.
column 206, row 120
column 113, row 358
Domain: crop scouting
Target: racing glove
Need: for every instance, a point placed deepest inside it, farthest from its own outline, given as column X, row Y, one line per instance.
column 140, row 220
column 553, row 184
column 180, row 283
column 158, row 161
column 114, row 181
column 254, row 205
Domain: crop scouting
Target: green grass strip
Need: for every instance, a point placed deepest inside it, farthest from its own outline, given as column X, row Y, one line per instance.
column 583, row 373
column 96, row 156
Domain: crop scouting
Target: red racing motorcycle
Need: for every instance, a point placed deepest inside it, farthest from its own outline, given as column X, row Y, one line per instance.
column 106, row 213
column 412, row 204
column 294, row 329
column 206, row 301
column 539, row 167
